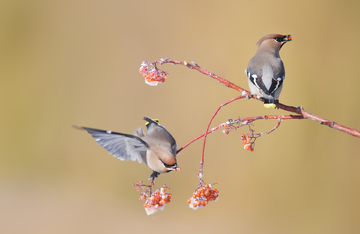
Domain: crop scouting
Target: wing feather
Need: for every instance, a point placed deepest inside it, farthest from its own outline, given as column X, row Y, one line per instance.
column 120, row 145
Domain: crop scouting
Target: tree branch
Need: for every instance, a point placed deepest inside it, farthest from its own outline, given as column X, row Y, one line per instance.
column 154, row 73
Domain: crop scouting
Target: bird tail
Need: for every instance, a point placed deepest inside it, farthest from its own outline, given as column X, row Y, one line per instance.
column 149, row 121
column 268, row 103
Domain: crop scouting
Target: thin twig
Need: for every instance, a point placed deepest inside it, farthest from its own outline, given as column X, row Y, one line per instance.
column 244, row 121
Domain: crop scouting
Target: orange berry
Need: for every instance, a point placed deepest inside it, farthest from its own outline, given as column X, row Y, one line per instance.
column 195, row 204
column 247, row 146
column 194, row 196
column 189, row 201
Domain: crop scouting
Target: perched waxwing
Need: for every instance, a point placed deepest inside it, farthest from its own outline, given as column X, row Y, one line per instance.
column 157, row 148
column 266, row 71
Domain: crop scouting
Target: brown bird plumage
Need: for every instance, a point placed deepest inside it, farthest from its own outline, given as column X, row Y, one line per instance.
column 266, row 71
column 157, row 148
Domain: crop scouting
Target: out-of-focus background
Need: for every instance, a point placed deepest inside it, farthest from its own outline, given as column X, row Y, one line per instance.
column 76, row 62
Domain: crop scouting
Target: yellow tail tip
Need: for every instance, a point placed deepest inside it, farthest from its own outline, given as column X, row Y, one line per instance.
column 270, row 105
column 155, row 120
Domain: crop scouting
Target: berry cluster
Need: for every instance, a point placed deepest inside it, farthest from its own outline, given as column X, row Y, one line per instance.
column 248, row 145
column 202, row 196
column 153, row 76
column 155, row 201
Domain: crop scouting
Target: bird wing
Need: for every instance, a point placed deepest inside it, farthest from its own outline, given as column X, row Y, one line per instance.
column 275, row 84
column 120, row 145
column 257, row 80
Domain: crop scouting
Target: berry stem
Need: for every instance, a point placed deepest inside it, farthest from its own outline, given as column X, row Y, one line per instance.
column 207, row 130
column 241, row 121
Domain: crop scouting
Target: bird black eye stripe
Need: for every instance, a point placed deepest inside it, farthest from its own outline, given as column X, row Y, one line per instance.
column 279, row 39
column 167, row 165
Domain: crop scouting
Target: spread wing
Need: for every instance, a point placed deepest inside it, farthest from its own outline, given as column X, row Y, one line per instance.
column 120, row 145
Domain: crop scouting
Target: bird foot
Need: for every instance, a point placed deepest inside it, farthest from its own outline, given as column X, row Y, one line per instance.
column 153, row 176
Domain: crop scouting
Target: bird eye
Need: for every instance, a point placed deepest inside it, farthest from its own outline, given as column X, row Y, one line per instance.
column 278, row 39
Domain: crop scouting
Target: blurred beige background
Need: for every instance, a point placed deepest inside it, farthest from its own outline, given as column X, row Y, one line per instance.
column 76, row 62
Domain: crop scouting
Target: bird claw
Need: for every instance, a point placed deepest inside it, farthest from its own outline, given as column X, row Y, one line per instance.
column 153, row 176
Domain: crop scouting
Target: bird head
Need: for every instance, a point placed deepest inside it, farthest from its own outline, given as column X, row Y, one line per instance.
column 172, row 167
column 161, row 160
column 273, row 42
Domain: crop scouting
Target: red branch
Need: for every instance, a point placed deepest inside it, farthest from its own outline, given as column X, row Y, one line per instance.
column 298, row 110
column 207, row 129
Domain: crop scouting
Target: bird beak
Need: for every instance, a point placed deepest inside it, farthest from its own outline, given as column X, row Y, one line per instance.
column 287, row 38
column 174, row 168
